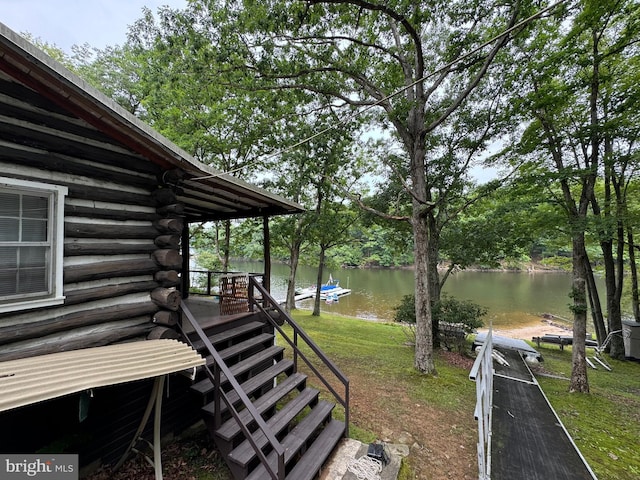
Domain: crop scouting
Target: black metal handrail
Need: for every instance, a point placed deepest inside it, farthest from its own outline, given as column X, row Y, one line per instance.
column 220, row 367
column 265, row 303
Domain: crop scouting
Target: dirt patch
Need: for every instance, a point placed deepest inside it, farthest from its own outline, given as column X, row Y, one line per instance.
column 442, row 443
column 190, row 458
column 456, row 359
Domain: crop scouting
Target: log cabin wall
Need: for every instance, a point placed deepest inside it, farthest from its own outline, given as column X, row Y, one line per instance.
column 110, row 227
column 122, row 259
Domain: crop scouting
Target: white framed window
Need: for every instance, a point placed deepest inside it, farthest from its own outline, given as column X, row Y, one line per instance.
column 31, row 244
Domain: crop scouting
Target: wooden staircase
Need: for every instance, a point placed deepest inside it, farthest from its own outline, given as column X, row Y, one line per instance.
column 264, row 418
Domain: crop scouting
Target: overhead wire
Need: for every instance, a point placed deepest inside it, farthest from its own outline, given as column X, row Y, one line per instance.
column 359, row 112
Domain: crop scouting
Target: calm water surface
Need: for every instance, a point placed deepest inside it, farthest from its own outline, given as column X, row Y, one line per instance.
column 511, row 298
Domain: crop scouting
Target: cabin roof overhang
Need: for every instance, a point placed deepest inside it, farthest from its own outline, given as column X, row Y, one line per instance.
column 206, row 193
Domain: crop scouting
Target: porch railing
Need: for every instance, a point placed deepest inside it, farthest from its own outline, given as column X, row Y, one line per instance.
column 261, row 300
column 207, row 282
column 482, row 374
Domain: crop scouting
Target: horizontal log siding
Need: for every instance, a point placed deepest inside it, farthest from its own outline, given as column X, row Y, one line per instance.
column 92, row 314
column 109, row 227
column 81, row 295
column 85, row 337
column 79, row 247
column 108, row 272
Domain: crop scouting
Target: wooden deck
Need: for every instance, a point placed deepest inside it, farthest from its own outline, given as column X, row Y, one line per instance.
column 207, row 311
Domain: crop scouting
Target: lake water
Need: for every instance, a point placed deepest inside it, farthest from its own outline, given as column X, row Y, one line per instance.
column 511, row 298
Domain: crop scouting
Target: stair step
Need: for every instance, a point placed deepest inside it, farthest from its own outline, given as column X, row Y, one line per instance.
column 229, row 334
column 206, row 385
column 243, row 454
column 309, row 465
column 299, row 436
column 239, row 348
column 230, row 429
column 262, row 379
column 267, row 355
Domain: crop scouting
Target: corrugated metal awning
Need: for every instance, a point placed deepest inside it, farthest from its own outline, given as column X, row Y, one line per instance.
column 35, row 379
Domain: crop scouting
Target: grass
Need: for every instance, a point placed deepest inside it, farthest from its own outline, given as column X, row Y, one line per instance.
column 380, row 351
column 604, row 424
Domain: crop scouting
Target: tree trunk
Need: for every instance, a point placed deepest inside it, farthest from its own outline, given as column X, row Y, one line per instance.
column 316, row 303
column 609, row 275
column 291, row 282
column 616, row 349
column 596, row 306
column 226, row 246
column 615, row 317
column 606, row 245
column 435, row 287
column 424, row 331
column 635, row 297
column 420, row 212
column 579, row 381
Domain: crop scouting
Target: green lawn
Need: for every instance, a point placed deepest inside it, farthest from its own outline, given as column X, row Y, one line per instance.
column 605, row 424
column 382, row 351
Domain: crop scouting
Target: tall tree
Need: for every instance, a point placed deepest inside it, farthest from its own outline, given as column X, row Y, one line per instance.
column 305, row 174
column 616, row 37
column 359, row 53
column 562, row 78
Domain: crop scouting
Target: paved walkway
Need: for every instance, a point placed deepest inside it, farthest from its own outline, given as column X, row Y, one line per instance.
column 528, row 440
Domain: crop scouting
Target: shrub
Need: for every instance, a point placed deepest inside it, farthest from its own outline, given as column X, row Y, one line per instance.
column 459, row 316
column 406, row 311
column 466, row 312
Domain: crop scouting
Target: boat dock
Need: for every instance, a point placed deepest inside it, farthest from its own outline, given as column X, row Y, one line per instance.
column 308, row 293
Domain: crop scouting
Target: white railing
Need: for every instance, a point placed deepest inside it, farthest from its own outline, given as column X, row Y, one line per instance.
column 482, row 374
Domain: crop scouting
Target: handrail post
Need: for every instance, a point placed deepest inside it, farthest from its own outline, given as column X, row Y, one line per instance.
column 250, row 295
column 216, row 398
column 347, row 415
column 295, row 350
column 209, row 283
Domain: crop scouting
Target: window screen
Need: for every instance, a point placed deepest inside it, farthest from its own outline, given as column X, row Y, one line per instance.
column 25, row 244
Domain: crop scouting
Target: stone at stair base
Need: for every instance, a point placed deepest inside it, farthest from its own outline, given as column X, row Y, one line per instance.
column 349, row 449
